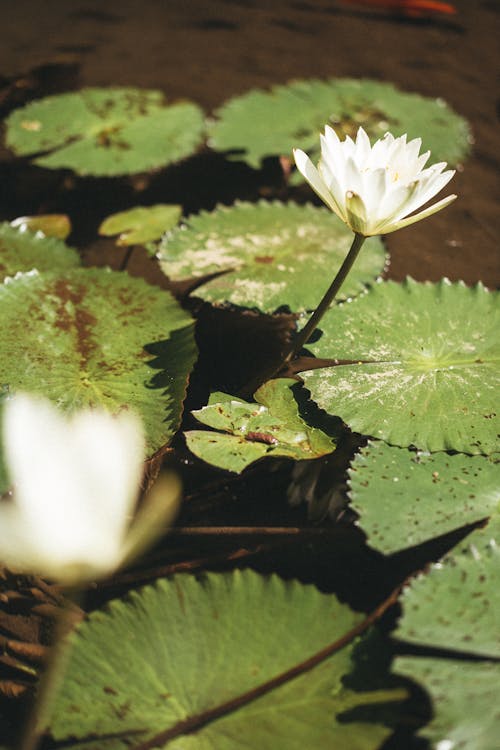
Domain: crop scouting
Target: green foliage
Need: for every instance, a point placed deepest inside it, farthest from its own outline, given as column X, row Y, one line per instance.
column 141, row 224
column 101, row 338
column 405, row 498
column 270, row 255
column 23, row 250
column 247, row 432
column 51, row 225
column 105, row 131
column 455, row 606
column 271, row 123
column 158, row 662
column 424, row 365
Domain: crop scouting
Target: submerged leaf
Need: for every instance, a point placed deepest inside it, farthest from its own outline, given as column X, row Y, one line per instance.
column 93, row 337
column 267, row 255
column 105, row 131
column 405, row 498
column 141, row 224
column 271, row 123
column 23, row 250
column 425, row 365
column 157, row 663
column 271, row 427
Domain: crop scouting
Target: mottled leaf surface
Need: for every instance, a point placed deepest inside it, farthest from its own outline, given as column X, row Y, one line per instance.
column 141, row 224
column 23, row 250
column 271, row 123
column 94, row 337
column 105, row 131
column 270, row 427
column 271, row 255
column 405, row 497
column 426, row 365
column 185, row 646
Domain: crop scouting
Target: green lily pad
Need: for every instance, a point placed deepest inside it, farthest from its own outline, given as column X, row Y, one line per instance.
column 272, row 255
column 51, row 225
column 247, row 432
column 455, row 606
column 262, row 123
column 149, row 668
column 405, row 498
column 94, row 337
column 141, row 224
column 105, row 131
column 23, row 250
column 425, row 365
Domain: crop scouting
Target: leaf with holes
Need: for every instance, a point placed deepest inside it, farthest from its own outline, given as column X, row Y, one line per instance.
column 270, row 254
column 23, row 250
column 141, row 224
column 455, row 606
column 271, row 427
column 94, row 337
column 424, row 366
column 263, row 123
column 405, row 498
column 180, row 661
column 105, row 131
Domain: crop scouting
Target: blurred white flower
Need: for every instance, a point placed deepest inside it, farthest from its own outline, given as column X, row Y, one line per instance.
column 75, row 484
column 374, row 189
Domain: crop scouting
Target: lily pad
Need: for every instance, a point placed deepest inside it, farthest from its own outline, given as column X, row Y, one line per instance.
column 455, row 606
column 51, row 225
column 23, row 250
column 267, row 255
column 187, row 663
column 425, row 365
column 105, row 131
column 263, row 123
column 405, row 498
column 94, row 337
column 141, row 224
column 271, row 427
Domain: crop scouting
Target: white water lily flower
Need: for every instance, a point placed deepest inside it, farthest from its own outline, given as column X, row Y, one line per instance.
column 75, row 483
column 374, row 189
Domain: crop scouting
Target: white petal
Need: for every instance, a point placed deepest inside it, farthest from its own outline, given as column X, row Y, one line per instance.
column 313, row 177
column 422, row 215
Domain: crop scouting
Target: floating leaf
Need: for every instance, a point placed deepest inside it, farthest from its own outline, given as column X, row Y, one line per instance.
column 273, row 254
column 105, row 131
column 405, row 498
column 425, row 365
column 270, row 427
column 141, row 224
column 465, row 698
column 101, row 338
column 23, row 250
column 455, row 606
column 155, row 664
column 261, row 123
column 51, row 225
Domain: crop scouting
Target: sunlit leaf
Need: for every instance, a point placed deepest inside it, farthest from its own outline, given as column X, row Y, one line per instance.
column 23, row 250
column 455, row 606
column 405, row 498
column 105, row 131
column 273, row 254
column 96, row 337
column 271, row 427
column 271, row 123
column 425, row 365
column 168, row 654
column 51, row 225
column 141, row 224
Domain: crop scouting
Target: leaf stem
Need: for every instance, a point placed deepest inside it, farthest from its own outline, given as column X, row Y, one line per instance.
column 334, row 288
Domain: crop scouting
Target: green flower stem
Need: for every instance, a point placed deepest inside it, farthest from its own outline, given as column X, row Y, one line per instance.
column 330, row 295
column 51, row 678
column 250, row 387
